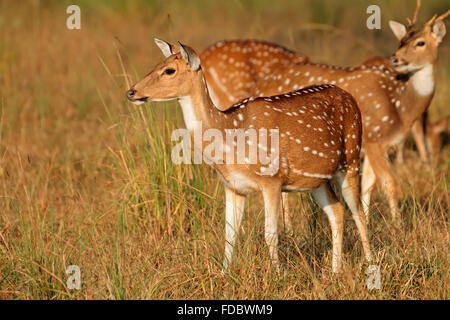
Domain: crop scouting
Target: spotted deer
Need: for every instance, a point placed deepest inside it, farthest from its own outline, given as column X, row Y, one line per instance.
column 319, row 131
column 391, row 99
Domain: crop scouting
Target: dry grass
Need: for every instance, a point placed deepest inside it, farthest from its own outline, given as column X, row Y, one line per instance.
column 86, row 178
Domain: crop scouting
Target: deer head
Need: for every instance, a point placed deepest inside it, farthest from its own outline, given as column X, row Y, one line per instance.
column 167, row 81
column 418, row 47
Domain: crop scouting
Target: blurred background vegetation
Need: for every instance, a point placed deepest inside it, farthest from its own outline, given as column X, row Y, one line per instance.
column 86, row 178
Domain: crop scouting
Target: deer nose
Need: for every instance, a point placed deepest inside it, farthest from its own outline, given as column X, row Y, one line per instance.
column 394, row 61
column 130, row 93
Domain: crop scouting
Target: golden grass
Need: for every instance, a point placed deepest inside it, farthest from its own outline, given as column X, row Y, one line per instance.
column 86, row 178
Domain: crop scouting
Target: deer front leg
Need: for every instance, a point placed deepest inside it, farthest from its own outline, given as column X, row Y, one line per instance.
column 233, row 217
column 327, row 200
column 272, row 195
column 419, row 137
column 380, row 166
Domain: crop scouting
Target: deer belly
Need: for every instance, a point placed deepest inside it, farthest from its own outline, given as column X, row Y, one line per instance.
column 293, row 188
column 304, row 184
column 238, row 182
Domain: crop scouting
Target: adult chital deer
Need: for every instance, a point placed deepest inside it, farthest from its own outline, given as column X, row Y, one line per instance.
column 319, row 132
column 390, row 102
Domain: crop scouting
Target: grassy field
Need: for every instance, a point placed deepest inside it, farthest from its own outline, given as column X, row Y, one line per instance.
column 86, row 177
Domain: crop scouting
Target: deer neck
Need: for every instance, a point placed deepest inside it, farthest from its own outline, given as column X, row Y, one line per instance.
column 198, row 112
column 423, row 81
column 418, row 93
column 197, row 106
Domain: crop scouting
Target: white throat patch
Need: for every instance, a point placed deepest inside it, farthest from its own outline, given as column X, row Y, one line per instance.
column 423, row 81
column 189, row 116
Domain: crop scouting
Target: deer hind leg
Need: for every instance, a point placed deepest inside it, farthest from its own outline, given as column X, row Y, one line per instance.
column 284, row 213
column 327, row 200
column 234, row 213
column 272, row 196
column 367, row 185
column 349, row 185
column 380, row 166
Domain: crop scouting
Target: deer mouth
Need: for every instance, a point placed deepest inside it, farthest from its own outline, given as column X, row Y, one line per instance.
column 407, row 68
column 143, row 99
column 138, row 101
column 399, row 64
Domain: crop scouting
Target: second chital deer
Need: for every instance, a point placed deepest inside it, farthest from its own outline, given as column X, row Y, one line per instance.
column 319, row 131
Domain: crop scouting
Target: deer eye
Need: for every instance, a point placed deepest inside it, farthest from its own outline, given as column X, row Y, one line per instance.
column 169, row 71
column 420, row 43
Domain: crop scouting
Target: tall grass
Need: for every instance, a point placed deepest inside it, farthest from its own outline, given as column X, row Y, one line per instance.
column 86, row 178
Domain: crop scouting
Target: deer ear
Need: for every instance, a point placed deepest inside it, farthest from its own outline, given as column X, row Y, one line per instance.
column 438, row 32
column 190, row 57
column 398, row 29
column 166, row 48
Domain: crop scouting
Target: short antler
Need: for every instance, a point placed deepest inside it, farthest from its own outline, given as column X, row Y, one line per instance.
column 412, row 22
column 443, row 16
column 437, row 18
